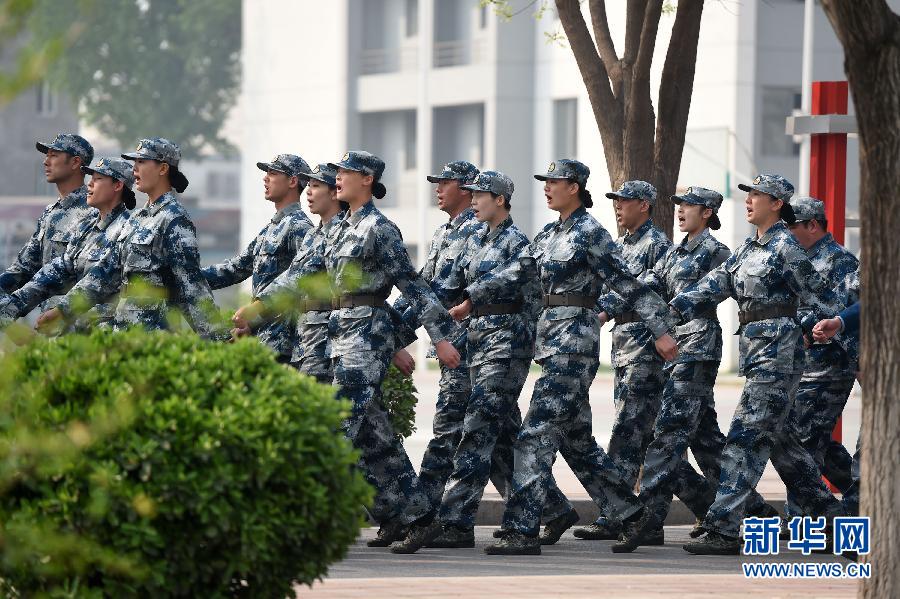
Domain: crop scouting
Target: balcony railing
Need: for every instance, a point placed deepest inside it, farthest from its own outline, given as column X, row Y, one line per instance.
column 388, row 60
column 458, row 52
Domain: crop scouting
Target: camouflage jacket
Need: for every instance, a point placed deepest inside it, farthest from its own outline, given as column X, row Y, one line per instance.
column 55, row 229
column 763, row 272
column 574, row 256
column 499, row 336
column 365, row 255
column 838, row 358
column 632, row 342
column 447, row 245
column 86, row 248
column 682, row 266
column 311, row 326
column 154, row 263
column 267, row 256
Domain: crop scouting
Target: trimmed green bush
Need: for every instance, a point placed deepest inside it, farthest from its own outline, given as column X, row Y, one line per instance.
column 399, row 396
column 230, row 478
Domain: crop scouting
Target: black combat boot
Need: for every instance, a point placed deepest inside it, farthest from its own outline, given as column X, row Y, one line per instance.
column 418, row 536
column 515, row 543
column 713, row 543
column 390, row 531
column 599, row 531
column 555, row 528
column 454, row 537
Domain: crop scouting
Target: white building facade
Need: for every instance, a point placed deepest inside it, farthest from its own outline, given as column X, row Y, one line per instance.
column 423, row 82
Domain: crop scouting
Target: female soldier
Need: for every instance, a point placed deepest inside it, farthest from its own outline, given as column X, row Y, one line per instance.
column 364, row 258
column 109, row 192
column 155, row 260
column 571, row 259
column 766, row 275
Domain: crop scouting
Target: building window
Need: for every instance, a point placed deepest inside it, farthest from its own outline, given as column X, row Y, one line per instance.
column 565, row 128
column 46, row 99
column 221, row 185
column 778, row 103
column 410, row 147
column 483, row 16
column 412, row 18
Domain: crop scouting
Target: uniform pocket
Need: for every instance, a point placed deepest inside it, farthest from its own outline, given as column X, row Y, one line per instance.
column 754, row 280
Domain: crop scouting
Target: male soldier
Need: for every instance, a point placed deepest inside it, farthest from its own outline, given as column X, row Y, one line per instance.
column 65, row 156
column 828, row 377
column 639, row 377
column 447, row 243
column 274, row 247
column 110, row 195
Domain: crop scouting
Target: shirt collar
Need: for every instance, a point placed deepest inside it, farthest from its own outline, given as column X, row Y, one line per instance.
column 76, row 196
column 639, row 232
column 569, row 222
column 289, row 209
column 461, row 218
column 492, row 235
column 773, row 230
column 163, row 201
column 817, row 246
column 103, row 223
column 352, row 219
column 691, row 244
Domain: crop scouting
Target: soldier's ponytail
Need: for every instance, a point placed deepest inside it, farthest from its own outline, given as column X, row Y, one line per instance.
column 585, row 196
column 378, row 190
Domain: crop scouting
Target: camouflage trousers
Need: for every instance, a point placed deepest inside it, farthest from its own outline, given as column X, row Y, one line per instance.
column 816, row 410
column 454, row 388
column 383, row 460
column 637, row 394
column 758, row 433
column 315, row 366
column 851, row 495
column 687, row 419
column 558, row 418
column 490, row 425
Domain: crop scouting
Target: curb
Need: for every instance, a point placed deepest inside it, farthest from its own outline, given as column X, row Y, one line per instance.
column 490, row 512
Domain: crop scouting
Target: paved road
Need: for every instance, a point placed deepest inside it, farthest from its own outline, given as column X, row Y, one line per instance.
column 572, row 568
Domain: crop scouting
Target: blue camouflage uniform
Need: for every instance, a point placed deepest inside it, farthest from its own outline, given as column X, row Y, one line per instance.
column 154, row 264
column 361, row 331
column 268, row 255
column 639, row 377
column 57, row 224
column 85, row 249
column 831, row 367
column 500, row 346
column 570, row 259
column 447, row 243
column 687, row 415
column 766, row 275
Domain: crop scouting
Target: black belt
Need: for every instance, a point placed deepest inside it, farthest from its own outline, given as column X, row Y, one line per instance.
column 355, row 301
column 495, row 309
column 773, row 311
column 626, row 317
column 577, row 300
column 315, row 305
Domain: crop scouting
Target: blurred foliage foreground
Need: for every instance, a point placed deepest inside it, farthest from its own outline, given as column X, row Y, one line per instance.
column 158, row 464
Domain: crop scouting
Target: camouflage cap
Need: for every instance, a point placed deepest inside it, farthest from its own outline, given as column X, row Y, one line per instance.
column 69, row 143
column 635, row 190
column 289, row 164
column 361, row 162
column 494, row 182
column 700, row 196
column 775, row 185
column 156, row 148
column 807, row 208
column 571, row 170
column 324, row 173
column 112, row 167
column 117, row 169
column 458, row 170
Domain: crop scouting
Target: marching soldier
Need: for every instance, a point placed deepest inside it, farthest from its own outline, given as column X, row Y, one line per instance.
column 274, row 247
column 66, row 154
column 111, row 197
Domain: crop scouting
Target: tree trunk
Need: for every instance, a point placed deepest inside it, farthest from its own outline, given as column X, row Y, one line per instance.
column 870, row 34
column 619, row 91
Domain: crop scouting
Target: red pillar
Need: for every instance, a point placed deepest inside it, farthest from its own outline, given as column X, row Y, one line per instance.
column 828, row 167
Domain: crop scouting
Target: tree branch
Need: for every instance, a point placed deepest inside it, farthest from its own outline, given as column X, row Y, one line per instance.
column 605, row 46
column 648, row 40
column 607, row 108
